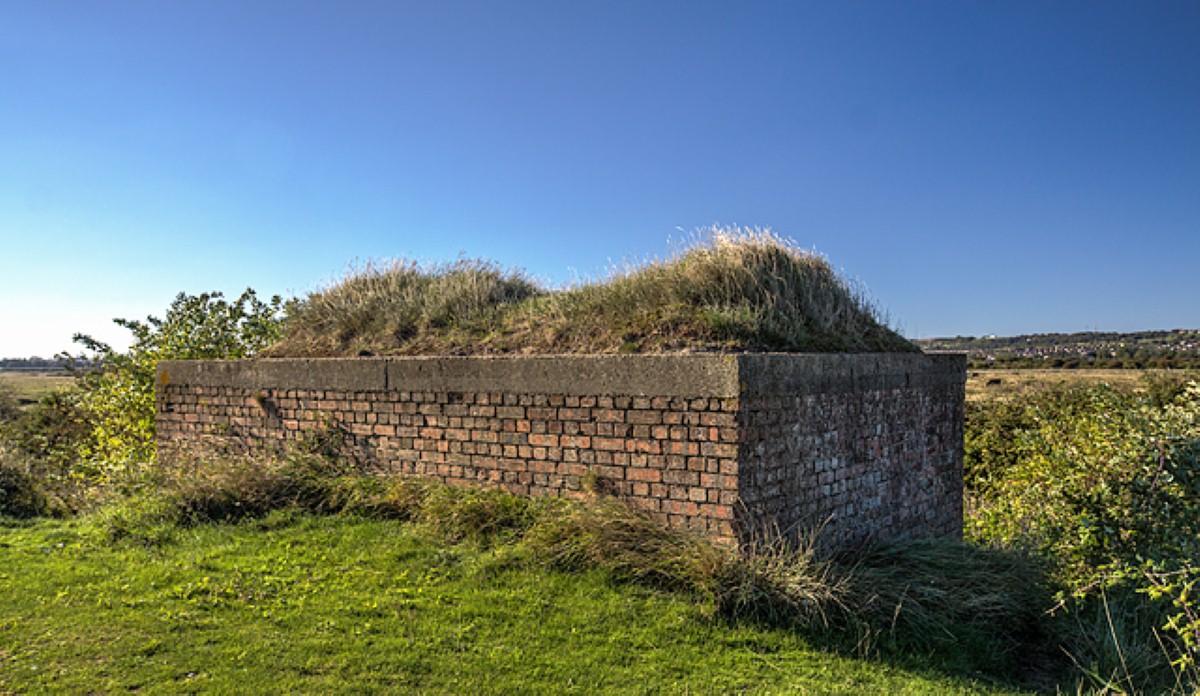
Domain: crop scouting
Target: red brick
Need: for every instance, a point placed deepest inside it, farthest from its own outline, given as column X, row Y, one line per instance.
column 544, row 440
column 686, row 478
column 644, row 446
column 610, row 415
column 647, row 475
column 575, row 414
column 609, row 444
column 575, row 442
column 683, row 448
column 644, row 417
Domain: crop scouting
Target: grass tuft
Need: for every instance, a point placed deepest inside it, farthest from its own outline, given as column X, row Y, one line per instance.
column 732, row 290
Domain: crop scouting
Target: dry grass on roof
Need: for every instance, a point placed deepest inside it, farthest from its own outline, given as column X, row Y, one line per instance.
column 732, row 290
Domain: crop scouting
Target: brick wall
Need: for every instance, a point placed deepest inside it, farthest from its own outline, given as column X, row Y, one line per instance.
column 859, row 447
column 868, row 446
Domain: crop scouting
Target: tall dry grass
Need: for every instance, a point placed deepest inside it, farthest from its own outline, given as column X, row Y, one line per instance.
column 732, row 289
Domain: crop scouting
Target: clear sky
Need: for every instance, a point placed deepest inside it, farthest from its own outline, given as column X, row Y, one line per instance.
column 981, row 167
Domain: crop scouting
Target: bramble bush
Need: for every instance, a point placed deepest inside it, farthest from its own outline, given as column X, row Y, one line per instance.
column 1105, row 485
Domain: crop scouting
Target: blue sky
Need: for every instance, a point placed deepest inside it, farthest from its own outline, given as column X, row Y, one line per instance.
column 981, row 167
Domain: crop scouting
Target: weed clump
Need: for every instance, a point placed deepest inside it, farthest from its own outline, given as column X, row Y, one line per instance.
column 20, row 493
column 736, row 290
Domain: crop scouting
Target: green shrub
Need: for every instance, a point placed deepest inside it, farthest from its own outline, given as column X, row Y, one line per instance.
column 1104, row 485
column 20, row 494
column 9, row 407
column 146, row 519
column 53, row 433
column 117, row 394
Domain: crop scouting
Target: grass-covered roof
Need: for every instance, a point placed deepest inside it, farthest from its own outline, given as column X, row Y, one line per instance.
column 733, row 291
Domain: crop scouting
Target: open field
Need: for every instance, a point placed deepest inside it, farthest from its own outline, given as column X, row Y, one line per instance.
column 298, row 604
column 27, row 386
column 990, row 384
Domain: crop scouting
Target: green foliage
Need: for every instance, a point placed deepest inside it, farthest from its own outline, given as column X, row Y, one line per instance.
column 51, row 433
column 478, row 515
column 1105, row 485
column 630, row 545
column 9, row 407
column 736, row 290
column 117, row 397
column 20, row 493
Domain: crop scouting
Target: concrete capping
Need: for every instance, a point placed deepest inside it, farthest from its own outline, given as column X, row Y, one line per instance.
column 779, row 374
column 626, row 375
column 577, row 375
column 333, row 374
column 676, row 375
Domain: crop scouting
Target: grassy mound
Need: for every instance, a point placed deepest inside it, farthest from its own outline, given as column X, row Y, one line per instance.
column 739, row 290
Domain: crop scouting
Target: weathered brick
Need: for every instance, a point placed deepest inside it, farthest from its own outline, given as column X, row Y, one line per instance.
column 647, row 475
column 879, row 461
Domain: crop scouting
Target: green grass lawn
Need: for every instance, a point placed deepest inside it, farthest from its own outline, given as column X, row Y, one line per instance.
column 300, row 604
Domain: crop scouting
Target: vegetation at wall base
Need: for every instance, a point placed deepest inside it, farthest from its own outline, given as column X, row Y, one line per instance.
column 254, row 546
column 735, row 290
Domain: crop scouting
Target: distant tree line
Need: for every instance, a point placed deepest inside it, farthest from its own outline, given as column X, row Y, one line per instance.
column 33, row 363
column 1177, row 349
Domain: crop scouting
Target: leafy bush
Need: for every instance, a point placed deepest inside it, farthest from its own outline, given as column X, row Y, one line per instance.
column 20, row 494
column 10, row 409
column 52, row 434
column 117, row 396
column 1105, row 485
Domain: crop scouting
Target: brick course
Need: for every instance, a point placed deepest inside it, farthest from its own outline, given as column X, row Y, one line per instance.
column 863, row 446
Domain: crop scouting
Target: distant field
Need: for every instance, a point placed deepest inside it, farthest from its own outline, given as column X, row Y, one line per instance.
column 989, row 384
column 29, row 386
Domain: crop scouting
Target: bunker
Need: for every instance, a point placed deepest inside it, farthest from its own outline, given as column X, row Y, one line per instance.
column 863, row 446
